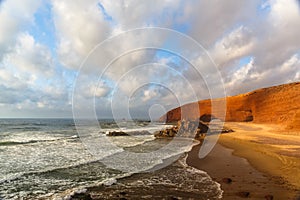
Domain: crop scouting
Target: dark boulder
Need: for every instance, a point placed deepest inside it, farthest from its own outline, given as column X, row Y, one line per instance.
column 227, row 180
column 202, row 127
column 169, row 132
column 243, row 194
column 117, row 133
column 207, row 117
column 226, row 130
column 80, row 196
column 269, row 197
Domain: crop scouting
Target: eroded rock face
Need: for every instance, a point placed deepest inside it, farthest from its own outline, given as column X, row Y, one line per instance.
column 184, row 128
column 169, row 132
column 295, row 123
column 278, row 104
column 193, row 129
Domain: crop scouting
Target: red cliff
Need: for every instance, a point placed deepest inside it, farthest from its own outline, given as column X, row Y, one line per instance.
column 278, row 104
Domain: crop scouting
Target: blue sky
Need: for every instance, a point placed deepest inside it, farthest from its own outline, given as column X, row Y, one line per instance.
column 43, row 46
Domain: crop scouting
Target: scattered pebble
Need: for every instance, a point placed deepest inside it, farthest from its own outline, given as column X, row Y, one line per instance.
column 269, row 197
column 243, row 194
column 227, row 180
column 173, row 198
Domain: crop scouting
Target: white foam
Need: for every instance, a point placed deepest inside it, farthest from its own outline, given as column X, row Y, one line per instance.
column 39, row 157
column 151, row 129
column 58, row 152
column 130, row 141
column 193, row 170
column 109, row 181
column 30, row 136
column 128, row 161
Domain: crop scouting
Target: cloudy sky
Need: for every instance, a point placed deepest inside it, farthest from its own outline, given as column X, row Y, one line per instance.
column 105, row 56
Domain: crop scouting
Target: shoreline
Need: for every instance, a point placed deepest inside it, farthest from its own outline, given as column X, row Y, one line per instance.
column 245, row 167
column 239, row 162
column 172, row 179
column 175, row 181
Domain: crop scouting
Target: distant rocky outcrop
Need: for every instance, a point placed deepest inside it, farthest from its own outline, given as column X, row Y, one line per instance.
column 192, row 128
column 127, row 133
column 277, row 104
column 184, row 128
column 168, row 132
column 117, row 133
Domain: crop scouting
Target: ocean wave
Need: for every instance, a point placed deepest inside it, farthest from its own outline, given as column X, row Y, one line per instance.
column 147, row 156
column 14, row 176
column 193, row 170
column 18, row 142
column 178, row 180
column 89, row 173
column 136, row 130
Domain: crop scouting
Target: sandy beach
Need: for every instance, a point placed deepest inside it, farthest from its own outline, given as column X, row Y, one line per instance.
column 257, row 160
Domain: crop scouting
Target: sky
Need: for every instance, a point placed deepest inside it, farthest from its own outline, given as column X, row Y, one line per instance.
column 140, row 58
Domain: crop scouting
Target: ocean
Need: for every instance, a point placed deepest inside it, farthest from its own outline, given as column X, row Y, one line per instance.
column 44, row 158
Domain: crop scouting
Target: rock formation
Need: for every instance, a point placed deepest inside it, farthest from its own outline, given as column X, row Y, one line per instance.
column 192, row 128
column 117, row 133
column 184, row 128
column 127, row 133
column 277, row 104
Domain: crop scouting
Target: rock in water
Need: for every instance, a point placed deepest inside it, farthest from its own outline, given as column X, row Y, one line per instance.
column 80, row 196
column 203, row 128
column 169, row 132
column 117, row 133
column 207, row 117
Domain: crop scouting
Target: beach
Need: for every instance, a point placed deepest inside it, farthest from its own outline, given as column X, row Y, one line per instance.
column 244, row 162
column 256, row 160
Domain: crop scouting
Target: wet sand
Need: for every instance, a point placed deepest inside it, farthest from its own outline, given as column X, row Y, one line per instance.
column 258, row 161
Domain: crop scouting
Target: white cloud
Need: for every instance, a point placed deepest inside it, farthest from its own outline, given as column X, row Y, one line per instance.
column 234, row 45
column 149, row 94
column 30, row 57
column 270, row 39
column 247, row 78
column 210, row 20
column 284, row 12
column 14, row 16
column 31, row 77
column 278, row 36
column 80, row 25
column 136, row 13
column 24, row 72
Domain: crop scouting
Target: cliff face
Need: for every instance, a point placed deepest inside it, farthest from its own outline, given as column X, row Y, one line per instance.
column 278, row 104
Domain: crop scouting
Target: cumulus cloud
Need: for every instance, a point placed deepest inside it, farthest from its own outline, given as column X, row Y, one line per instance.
column 268, row 36
column 29, row 56
column 211, row 20
column 253, row 44
column 14, row 17
column 136, row 13
column 80, row 25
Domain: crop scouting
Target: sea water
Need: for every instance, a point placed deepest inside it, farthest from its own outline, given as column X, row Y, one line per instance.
column 44, row 157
